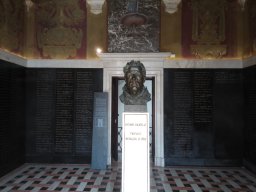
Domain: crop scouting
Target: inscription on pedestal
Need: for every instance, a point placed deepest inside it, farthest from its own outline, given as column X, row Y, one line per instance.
column 135, row 153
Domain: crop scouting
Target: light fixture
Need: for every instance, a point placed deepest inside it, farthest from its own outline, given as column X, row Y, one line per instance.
column 98, row 50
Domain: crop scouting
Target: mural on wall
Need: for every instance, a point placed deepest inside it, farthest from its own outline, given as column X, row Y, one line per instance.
column 11, row 24
column 133, row 26
column 61, row 28
column 252, row 15
column 208, row 30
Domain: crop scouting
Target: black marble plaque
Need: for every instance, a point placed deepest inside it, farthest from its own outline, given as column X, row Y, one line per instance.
column 202, row 100
column 4, row 113
column 178, row 113
column 203, row 120
column 45, row 89
column 12, row 116
column 64, row 111
column 83, row 114
column 59, row 114
column 183, row 123
column 228, row 113
column 250, row 115
column 203, row 137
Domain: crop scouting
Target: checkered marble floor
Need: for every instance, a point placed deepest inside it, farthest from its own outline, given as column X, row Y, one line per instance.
column 62, row 177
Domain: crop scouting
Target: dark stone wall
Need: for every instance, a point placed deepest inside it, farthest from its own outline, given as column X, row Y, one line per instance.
column 59, row 113
column 203, row 122
column 12, row 124
column 209, row 116
column 250, row 117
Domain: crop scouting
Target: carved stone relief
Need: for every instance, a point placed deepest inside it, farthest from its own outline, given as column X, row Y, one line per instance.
column 11, row 24
column 252, row 14
column 60, row 26
column 209, row 30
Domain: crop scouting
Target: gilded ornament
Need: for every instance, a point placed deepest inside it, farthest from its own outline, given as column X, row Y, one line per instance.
column 208, row 28
column 209, row 51
column 10, row 24
column 60, row 34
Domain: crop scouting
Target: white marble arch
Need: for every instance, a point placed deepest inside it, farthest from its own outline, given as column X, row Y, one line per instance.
column 154, row 68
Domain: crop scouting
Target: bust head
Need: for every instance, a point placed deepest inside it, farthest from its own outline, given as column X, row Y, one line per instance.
column 134, row 91
column 135, row 75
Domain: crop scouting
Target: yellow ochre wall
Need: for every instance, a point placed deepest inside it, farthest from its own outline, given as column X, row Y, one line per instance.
column 74, row 32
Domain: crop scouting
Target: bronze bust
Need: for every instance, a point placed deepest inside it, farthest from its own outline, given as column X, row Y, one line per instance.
column 134, row 91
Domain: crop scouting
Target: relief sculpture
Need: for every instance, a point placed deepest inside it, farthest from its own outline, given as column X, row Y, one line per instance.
column 252, row 15
column 134, row 91
column 60, row 28
column 208, row 31
column 11, row 24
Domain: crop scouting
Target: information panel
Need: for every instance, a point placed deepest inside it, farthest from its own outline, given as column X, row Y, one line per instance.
column 135, row 156
column 100, row 131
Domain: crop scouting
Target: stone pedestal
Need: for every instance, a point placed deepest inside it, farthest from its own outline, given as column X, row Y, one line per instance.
column 135, row 155
column 135, row 108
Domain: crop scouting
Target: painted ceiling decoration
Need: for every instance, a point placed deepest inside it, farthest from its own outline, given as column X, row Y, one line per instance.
column 208, row 30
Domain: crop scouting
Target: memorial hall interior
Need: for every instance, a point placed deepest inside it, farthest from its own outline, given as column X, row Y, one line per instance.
column 200, row 60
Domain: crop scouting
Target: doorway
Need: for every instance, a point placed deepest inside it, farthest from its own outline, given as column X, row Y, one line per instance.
column 116, row 117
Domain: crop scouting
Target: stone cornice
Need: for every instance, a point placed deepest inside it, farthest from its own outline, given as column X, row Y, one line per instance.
column 12, row 58
column 112, row 60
